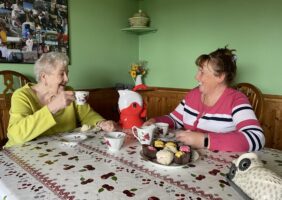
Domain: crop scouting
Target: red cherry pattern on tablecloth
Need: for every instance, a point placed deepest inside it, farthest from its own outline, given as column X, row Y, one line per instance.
column 28, row 185
column 44, row 143
column 98, row 158
column 180, row 196
column 199, row 177
column 62, row 153
column 87, row 167
column 130, row 193
column 106, row 176
column 222, row 183
column 153, row 198
column 119, row 169
column 161, row 183
column 41, row 155
column 85, row 181
column 130, row 171
column 26, row 145
column 214, row 172
column 73, row 158
column 133, row 151
column 279, row 162
column 67, row 167
column 50, row 150
column 36, row 148
column 107, row 187
column 50, row 162
column 146, row 181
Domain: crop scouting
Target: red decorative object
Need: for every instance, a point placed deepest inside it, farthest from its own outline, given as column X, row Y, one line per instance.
column 132, row 109
column 140, row 87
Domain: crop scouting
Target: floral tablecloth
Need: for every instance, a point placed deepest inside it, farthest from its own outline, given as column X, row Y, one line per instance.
column 49, row 168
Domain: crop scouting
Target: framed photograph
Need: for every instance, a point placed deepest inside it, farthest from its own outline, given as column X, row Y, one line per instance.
column 29, row 28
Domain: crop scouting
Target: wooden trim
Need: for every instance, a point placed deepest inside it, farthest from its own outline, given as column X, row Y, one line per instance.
column 272, row 121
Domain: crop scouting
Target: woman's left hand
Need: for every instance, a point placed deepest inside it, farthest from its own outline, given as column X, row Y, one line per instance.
column 194, row 139
column 108, row 125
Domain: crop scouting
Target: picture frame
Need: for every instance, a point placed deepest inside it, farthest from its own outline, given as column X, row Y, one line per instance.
column 29, row 28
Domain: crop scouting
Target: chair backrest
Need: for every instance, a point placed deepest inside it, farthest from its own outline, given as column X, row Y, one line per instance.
column 11, row 81
column 255, row 97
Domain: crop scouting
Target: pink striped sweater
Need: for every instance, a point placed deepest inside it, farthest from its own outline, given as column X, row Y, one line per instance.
column 231, row 123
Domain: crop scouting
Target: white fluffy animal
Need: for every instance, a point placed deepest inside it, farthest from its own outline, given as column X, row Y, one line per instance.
column 258, row 182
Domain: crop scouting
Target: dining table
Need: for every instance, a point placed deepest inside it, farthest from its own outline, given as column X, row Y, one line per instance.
column 60, row 167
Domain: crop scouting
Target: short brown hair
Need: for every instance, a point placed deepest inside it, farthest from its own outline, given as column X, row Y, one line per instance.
column 223, row 61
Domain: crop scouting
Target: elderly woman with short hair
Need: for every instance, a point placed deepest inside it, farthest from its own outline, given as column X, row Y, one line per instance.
column 48, row 107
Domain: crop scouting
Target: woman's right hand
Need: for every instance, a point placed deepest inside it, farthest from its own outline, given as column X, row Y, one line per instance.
column 149, row 122
column 61, row 101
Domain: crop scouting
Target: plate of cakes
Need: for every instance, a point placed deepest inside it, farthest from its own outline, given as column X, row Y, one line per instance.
column 169, row 153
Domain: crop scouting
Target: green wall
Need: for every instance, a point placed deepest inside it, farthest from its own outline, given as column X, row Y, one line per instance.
column 188, row 28
column 101, row 53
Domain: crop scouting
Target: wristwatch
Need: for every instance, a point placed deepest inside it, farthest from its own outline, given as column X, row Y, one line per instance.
column 206, row 142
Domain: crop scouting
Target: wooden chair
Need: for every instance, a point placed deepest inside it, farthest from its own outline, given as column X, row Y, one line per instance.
column 11, row 81
column 255, row 97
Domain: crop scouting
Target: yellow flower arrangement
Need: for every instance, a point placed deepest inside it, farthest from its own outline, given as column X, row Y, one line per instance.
column 138, row 69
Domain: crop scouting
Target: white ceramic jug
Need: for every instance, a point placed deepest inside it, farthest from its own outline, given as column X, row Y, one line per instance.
column 127, row 97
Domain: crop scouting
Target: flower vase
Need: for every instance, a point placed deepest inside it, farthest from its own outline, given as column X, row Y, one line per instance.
column 138, row 80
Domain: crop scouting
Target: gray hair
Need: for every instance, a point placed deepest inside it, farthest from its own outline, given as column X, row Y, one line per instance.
column 48, row 62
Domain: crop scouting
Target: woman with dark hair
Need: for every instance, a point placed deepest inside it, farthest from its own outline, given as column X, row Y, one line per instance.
column 214, row 115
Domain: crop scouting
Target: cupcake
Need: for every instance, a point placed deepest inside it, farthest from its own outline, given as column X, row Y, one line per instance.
column 149, row 151
column 164, row 157
column 181, row 157
column 185, row 148
column 172, row 144
column 158, row 144
column 171, row 148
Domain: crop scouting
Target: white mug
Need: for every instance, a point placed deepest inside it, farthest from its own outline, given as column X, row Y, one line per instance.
column 162, row 128
column 81, row 97
column 114, row 140
column 144, row 134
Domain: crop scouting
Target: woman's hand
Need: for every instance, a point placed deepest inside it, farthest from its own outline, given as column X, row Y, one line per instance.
column 149, row 122
column 61, row 101
column 194, row 139
column 108, row 125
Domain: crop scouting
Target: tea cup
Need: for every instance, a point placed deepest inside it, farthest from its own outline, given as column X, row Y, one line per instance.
column 81, row 97
column 162, row 128
column 114, row 140
column 144, row 134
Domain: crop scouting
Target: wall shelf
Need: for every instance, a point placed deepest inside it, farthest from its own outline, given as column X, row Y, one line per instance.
column 139, row 30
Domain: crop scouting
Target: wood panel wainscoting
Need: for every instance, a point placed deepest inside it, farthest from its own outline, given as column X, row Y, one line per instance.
column 161, row 101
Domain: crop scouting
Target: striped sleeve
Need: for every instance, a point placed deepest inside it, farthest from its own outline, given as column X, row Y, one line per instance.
column 248, row 135
column 175, row 118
